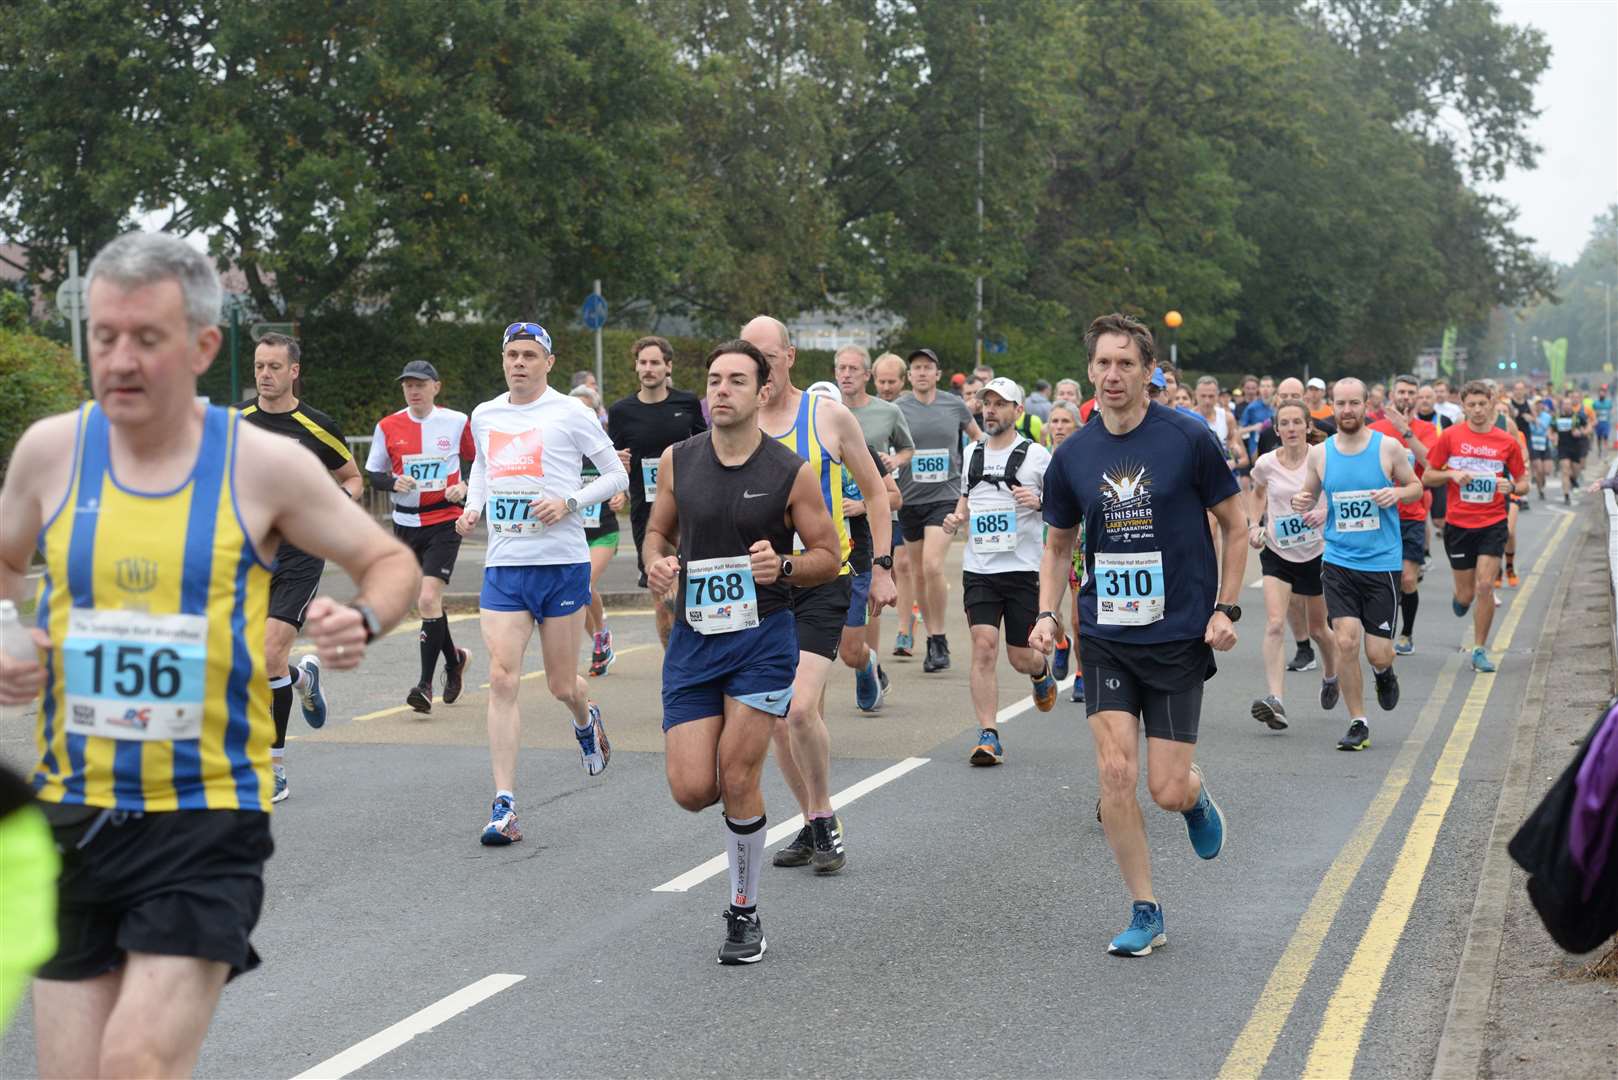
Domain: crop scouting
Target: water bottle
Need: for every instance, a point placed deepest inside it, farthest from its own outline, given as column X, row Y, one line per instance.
column 15, row 640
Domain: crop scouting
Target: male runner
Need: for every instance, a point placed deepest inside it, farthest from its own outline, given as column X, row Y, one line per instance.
column 417, row 456
column 1258, row 412
column 532, row 442
column 888, row 374
column 276, row 367
column 601, row 533
column 729, row 668
column 157, row 518
column 1139, row 483
column 827, row 436
column 1220, row 421
column 1446, row 408
column 1571, row 423
column 1320, row 409
column 642, row 426
column 1417, row 436
column 1475, row 460
column 929, row 486
column 1363, row 475
column 1001, row 480
column 1602, row 407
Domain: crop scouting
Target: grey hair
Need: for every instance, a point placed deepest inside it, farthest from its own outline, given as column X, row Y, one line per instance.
column 1074, row 383
column 143, row 258
column 583, row 392
column 1068, row 407
column 858, row 350
column 1208, row 380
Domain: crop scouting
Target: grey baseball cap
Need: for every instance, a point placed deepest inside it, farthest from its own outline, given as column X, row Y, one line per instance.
column 418, row 369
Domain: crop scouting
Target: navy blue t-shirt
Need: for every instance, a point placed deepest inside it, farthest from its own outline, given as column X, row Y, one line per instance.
column 1143, row 492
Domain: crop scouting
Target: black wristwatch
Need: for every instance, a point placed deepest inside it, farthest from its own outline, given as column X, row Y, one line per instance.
column 884, row 561
column 1233, row 612
column 373, row 625
column 1053, row 616
column 786, row 567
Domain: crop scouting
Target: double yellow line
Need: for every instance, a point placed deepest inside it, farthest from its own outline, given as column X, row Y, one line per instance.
column 1337, row 1043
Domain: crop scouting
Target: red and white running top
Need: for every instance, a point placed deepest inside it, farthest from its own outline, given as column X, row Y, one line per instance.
column 429, row 452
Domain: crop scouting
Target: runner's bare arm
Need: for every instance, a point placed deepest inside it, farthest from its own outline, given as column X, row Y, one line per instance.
column 36, row 480
column 1260, row 502
column 1232, row 518
column 349, row 479
column 1306, row 496
column 806, row 509
column 1397, row 463
column 1054, row 566
column 658, row 552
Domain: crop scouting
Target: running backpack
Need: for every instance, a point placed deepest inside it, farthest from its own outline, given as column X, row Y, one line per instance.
column 1019, row 454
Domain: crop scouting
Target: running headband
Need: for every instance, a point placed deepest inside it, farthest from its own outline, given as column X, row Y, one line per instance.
column 526, row 331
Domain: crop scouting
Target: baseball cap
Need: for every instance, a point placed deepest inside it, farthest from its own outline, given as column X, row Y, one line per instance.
column 928, row 353
column 957, row 379
column 1317, row 384
column 826, row 388
column 1005, row 387
column 1158, row 380
column 418, row 369
column 526, row 331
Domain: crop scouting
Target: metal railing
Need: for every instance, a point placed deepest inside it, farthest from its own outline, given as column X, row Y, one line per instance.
column 376, row 503
column 1610, row 500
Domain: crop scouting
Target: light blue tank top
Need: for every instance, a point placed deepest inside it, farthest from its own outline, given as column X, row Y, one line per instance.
column 1360, row 535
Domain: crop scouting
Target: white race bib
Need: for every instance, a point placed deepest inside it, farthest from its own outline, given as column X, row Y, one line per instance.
column 591, row 515
column 430, row 472
column 720, row 595
column 648, row 478
column 1355, row 511
column 993, row 522
column 930, row 466
column 1478, row 490
column 1564, row 423
column 135, row 676
column 508, row 513
column 1291, row 531
column 1129, row 588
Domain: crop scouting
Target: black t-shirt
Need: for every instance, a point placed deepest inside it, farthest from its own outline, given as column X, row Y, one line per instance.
column 1435, row 418
column 309, row 428
column 646, row 431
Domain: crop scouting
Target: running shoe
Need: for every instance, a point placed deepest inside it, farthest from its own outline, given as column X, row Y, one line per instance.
column 744, row 939
column 883, row 684
column 420, row 698
column 1304, row 659
column 281, row 789
column 453, row 675
column 1059, row 659
column 1145, row 931
column 937, row 654
column 867, row 688
column 829, row 856
column 987, row 751
column 1330, row 691
column 594, row 749
column 1204, row 824
column 1358, row 737
column 902, row 644
column 1045, row 690
column 502, row 827
column 1497, row 600
column 800, row 851
column 1459, row 608
column 1481, row 662
column 601, row 654
column 1098, row 809
column 1404, row 646
column 310, row 696
column 1268, row 710
column 1512, row 580
column 1387, row 689
column 1078, row 688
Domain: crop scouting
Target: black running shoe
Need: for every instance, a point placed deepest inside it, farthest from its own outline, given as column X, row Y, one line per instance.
column 882, row 679
column 453, row 674
column 828, row 837
column 1358, row 737
column 937, row 654
column 800, row 851
column 1268, row 710
column 420, row 698
column 1330, row 692
column 1303, row 659
column 1387, row 689
column 744, row 939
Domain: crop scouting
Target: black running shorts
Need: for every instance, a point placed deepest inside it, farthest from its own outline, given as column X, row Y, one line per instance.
column 1465, row 545
column 913, row 520
column 1413, row 537
column 1161, row 684
column 1371, row 596
column 1440, row 503
column 435, row 546
column 293, row 584
column 1011, row 598
column 820, row 611
column 172, row 883
column 1303, row 577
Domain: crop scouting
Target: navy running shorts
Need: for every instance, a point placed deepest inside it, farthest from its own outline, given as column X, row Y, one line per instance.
column 755, row 667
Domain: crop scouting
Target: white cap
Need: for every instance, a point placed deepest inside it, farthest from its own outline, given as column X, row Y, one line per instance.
column 1317, row 384
column 1004, row 387
column 827, row 388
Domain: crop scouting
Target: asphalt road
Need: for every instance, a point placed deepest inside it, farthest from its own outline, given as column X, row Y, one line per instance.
column 966, row 936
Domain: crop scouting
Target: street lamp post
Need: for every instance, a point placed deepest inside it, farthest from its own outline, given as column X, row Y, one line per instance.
column 1173, row 320
column 1607, row 285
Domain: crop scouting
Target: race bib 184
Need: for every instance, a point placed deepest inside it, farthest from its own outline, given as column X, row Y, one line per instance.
column 1291, row 531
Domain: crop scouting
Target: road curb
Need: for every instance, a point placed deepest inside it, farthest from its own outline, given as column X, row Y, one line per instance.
column 1461, row 1046
column 461, row 603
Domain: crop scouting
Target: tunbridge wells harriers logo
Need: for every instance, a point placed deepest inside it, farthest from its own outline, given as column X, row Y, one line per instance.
column 135, row 575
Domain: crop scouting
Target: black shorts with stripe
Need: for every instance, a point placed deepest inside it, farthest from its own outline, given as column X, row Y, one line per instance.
column 1371, row 596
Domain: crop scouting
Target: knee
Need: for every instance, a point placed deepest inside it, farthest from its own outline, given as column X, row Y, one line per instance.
column 1118, row 776
column 1170, row 793
column 1347, row 640
column 737, row 780
column 1276, row 624
column 800, row 713
column 984, row 653
column 693, row 796
column 502, row 680
column 564, row 685
column 853, row 651
column 126, row 1053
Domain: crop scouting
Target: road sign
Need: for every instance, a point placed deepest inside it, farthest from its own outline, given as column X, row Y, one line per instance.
column 996, row 344
column 259, row 329
column 594, row 311
column 69, row 294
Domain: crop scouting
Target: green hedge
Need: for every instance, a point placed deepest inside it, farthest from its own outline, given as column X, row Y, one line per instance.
column 38, row 377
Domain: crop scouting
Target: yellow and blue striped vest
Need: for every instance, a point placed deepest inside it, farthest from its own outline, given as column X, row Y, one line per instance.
column 115, row 557
column 803, row 438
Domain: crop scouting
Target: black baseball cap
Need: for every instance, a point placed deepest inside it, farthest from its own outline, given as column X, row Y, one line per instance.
column 928, row 353
column 418, row 369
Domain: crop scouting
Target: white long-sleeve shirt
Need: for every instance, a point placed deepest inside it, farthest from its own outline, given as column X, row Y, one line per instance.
column 537, row 451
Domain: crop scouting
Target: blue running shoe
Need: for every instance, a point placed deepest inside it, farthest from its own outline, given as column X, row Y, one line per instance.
column 987, row 751
column 594, row 749
column 1059, row 659
column 867, row 690
column 903, row 644
column 310, row 695
column 1458, row 607
column 1204, row 823
column 1404, row 646
column 1481, row 662
column 502, row 827
column 1078, row 688
column 1145, row 932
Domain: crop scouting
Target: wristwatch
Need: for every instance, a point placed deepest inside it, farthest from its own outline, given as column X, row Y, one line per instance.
column 1053, row 616
column 884, row 561
column 1233, row 612
column 786, row 567
column 373, row 625
column 572, row 504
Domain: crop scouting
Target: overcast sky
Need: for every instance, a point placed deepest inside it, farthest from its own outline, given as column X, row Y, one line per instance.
column 1577, row 175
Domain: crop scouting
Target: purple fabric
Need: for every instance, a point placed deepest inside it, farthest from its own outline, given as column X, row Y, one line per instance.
column 1593, row 830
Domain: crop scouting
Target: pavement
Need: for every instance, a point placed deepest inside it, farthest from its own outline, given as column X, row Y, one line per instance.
column 966, row 936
